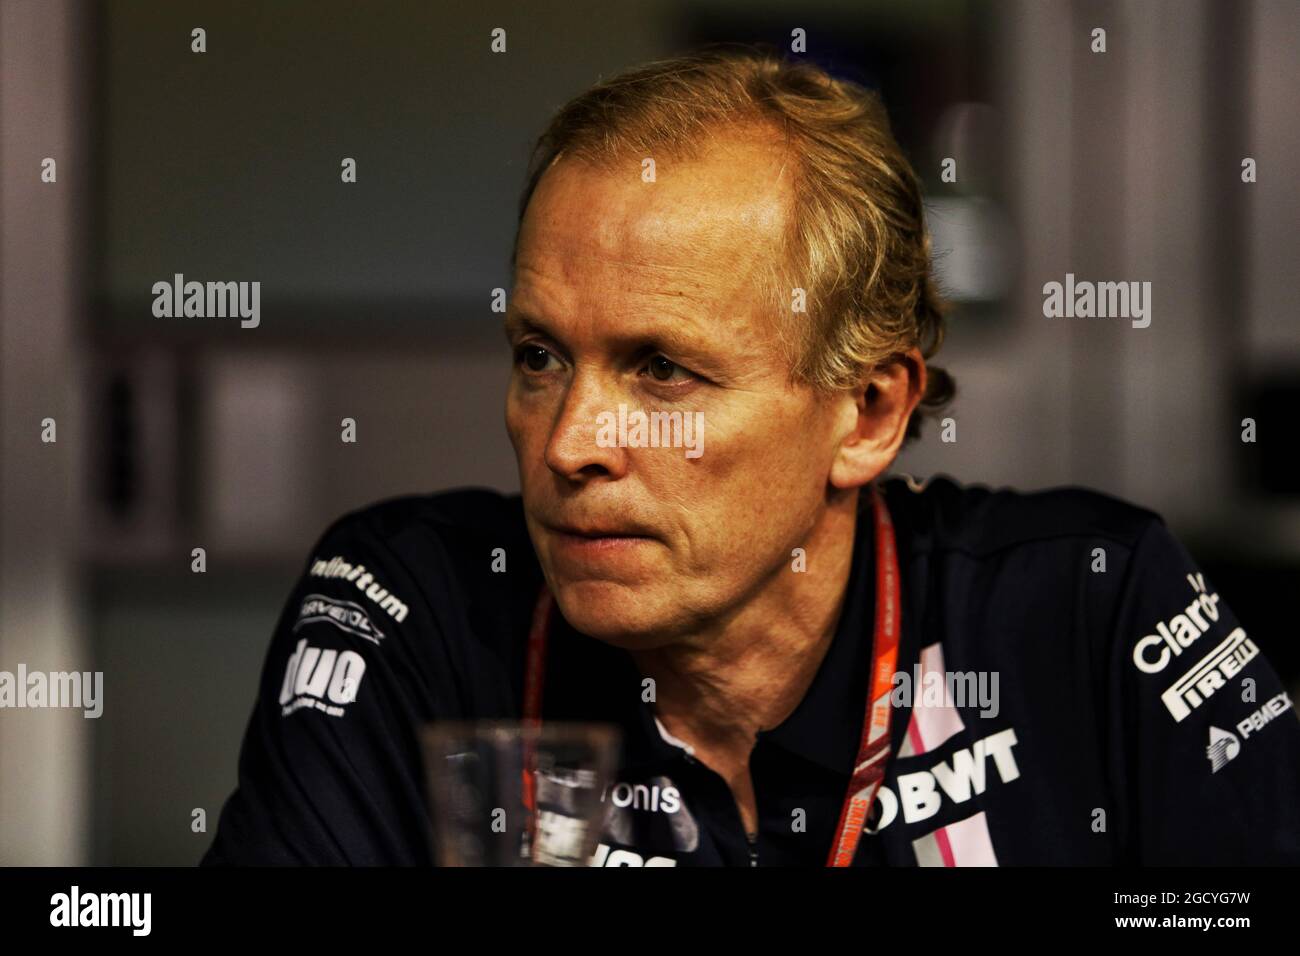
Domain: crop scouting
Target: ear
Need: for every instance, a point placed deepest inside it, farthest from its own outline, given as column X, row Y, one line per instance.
column 883, row 404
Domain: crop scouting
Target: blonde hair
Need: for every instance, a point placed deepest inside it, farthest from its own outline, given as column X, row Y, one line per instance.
column 857, row 233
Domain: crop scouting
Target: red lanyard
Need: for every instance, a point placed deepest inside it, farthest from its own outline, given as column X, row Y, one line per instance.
column 873, row 750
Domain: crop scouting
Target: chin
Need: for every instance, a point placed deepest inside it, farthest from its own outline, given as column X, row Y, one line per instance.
column 632, row 618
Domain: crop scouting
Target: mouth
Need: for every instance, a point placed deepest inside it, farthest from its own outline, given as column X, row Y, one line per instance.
column 596, row 532
column 588, row 541
column 596, row 536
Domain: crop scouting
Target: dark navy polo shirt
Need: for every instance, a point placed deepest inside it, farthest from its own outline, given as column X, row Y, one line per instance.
column 1070, row 690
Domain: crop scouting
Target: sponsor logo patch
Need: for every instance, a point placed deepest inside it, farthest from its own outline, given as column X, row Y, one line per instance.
column 1223, row 746
column 608, row 856
column 963, row 776
column 1153, row 653
column 1273, row 707
column 650, row 815
column 339, row 568
column 322, row 679
column 345, row 615
column 1209, row 674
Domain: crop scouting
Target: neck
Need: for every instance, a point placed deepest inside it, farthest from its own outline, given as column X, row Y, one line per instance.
column 716, row 688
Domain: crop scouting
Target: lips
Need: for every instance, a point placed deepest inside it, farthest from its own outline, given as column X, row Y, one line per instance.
column 598, row 531
column 597, row 548
column 600, row 527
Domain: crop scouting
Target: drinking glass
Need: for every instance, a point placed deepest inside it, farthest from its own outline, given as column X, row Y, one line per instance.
column 512, row 793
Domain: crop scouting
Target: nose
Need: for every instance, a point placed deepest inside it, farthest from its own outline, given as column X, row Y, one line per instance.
column 573, row 451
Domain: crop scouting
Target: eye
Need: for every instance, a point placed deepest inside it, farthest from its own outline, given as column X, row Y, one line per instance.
column 662, row 368
column 532, row 357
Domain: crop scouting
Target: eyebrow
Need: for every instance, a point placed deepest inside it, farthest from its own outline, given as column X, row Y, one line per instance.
column 517, row 323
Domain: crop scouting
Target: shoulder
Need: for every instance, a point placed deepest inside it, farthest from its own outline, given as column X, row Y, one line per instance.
column 1064, row 560
column 458, row 529
column 457, row 517
column 942, row 515
column 428, row 555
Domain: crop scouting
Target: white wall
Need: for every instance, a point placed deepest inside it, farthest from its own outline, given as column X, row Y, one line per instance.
column 44, row 754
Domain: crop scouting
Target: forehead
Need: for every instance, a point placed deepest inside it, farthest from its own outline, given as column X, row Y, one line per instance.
column 703, row 229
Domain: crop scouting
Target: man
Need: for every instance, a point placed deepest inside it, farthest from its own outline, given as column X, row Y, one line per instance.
column 999, row 678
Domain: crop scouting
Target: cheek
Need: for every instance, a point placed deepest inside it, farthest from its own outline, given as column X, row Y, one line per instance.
column 770, row 479
column 756, row 488
column 770, row 452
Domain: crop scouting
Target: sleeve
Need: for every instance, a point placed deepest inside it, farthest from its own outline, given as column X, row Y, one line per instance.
column 329, row 768
column 1209, row 736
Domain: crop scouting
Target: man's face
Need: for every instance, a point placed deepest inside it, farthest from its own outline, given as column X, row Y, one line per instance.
column 648, row 295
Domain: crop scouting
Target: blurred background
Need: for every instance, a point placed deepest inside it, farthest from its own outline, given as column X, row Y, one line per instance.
column 225, row 165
